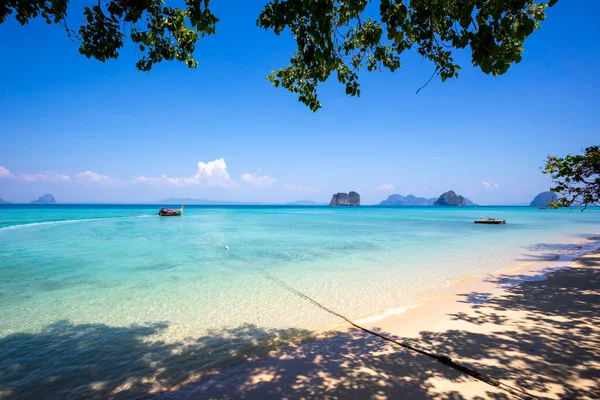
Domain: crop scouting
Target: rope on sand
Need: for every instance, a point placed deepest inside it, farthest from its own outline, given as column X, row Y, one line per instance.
column 520, row 393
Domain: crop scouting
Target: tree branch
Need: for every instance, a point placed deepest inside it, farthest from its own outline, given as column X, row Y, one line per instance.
column 434, row 74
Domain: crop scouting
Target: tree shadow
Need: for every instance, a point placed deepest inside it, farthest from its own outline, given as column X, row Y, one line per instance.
column 559, row 331
column 476, row 298
column 540, row 257
column 591, row 260
column 557, row 251
column 555, row 343
column 555, row 247
column 550, row 252
column 84, row 361
column 507, row 281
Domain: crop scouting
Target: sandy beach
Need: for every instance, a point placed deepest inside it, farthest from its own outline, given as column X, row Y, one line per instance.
column 535, row 327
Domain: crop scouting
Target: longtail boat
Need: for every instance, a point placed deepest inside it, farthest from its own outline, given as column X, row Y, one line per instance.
column 490, row 220
column 165, row 212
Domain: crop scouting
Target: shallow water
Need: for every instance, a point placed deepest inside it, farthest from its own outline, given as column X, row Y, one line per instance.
column 123, row 271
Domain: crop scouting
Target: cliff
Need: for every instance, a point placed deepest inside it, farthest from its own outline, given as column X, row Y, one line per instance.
column 397, row 200
column 543, row 199
column 452, row 199
column 345, row 199
column 45, row 199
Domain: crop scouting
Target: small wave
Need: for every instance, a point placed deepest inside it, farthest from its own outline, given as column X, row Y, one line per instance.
column 388, row 312
column 67, row 221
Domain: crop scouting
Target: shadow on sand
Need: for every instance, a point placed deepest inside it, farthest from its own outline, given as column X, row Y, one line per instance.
column 100, row 361
column 560, row 347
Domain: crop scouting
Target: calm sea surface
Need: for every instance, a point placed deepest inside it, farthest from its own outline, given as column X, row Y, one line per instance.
column 133, row 289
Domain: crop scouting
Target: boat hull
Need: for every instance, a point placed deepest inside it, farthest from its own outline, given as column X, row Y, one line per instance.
column 170, row 213
column 494, row 222
column 175, row 214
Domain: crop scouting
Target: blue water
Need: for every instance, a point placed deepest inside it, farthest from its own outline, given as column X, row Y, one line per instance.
column 115, row 269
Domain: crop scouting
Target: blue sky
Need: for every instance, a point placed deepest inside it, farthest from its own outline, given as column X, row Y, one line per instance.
column 86, row 131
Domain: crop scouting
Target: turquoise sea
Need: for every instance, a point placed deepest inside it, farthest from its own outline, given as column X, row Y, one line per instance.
column 91, row 296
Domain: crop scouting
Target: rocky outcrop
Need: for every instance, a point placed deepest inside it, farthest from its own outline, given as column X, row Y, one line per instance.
column 452, row 199
column 45, row 199
column 543, row 199
column 345, row 199
column 397, row 200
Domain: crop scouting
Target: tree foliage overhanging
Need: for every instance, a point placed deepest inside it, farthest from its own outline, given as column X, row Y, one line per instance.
column 576, row 178
column 332, row 36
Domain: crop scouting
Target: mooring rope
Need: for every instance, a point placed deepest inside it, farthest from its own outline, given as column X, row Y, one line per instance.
column 440, row 358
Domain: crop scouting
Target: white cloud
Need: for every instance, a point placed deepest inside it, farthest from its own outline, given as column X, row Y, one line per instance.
column 211, row 174
column 45, row 176
column 93, row 177
column 386, row 187
column 144, row 179
column 259, row 181
column 488, row 186
column 164, row 179
column 5, row 173
column 299, row 188
column 32, row 178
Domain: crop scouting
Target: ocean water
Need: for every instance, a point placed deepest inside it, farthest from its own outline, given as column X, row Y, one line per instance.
column 104, row 293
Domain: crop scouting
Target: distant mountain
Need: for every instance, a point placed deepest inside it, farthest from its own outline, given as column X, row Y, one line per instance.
column 397, row 200
column 305, row 203
column 45, row 199
column 453, row 200
column 4, row 202
column 543, row 199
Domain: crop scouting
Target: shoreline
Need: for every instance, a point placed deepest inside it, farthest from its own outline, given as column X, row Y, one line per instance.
column 528, row 269
column 459, row 310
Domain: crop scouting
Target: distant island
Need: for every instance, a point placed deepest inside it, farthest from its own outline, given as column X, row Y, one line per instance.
column 345, row 199
column 45, row 199
column 449, row 198
column 4, row 202
column 398, row 200
column 543, row 199
column 452, row 199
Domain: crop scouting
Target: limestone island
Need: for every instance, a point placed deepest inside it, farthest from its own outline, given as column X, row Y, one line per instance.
column 345, row 199
column 543, row 199
column 45, row 199
column 397, row 200
column 453, row 200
